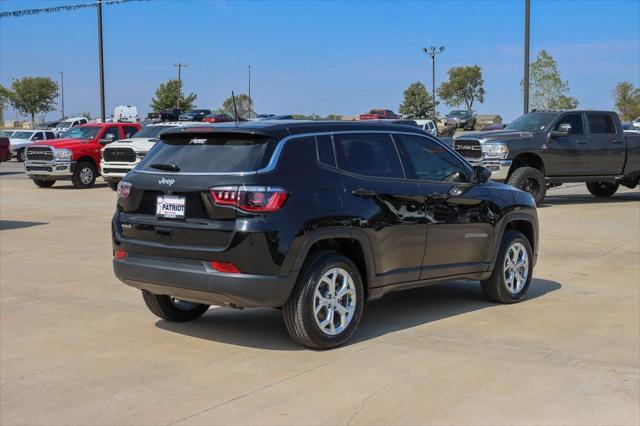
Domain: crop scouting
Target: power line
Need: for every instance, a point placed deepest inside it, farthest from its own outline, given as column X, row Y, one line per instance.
column 55, row 9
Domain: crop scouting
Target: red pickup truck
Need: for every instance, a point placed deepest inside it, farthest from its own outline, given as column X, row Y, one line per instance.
column 75, row 156
column 379, row 114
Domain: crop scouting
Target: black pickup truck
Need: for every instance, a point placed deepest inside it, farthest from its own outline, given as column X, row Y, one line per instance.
column 543, row 149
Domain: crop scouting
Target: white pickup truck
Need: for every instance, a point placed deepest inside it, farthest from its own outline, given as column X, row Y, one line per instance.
column 120, row 157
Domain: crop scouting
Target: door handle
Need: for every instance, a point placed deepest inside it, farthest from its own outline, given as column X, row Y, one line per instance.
column 362, row 192
column 581, row 142
column 618, row 141
column 438, row 196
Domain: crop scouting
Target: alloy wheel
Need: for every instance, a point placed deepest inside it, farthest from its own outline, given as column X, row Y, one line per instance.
column 516, row 267
column 334, row 301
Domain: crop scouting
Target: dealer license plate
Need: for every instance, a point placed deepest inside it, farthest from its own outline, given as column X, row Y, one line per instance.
column 170, row 206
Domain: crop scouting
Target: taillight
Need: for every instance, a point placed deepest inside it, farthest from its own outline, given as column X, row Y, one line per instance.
column 124, row 190
column 226, row 267
column 262, row 199
column 119, row 254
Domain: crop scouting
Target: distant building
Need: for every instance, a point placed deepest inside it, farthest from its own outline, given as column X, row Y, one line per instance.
column 488, row 119
column 350, row 117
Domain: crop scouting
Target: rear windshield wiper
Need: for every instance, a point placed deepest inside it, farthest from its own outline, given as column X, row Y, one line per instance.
column 168, row 167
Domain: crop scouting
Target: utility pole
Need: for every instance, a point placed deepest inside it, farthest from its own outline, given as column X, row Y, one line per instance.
column 180, row 66
column 62, row 93
column 249, row 90
column 433, row 52
column 527, row 21
column 101, row 62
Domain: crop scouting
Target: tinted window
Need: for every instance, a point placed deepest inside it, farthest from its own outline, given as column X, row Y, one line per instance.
column 372, row 154
column 50, row 135
column 129, row 131
column 533, row 122
column 37, row 136
column 427, row 160
column 324, row 147
column 601, row 123
column 150, row 132
column 211, row 154
column 577, row 128
column 111, row 131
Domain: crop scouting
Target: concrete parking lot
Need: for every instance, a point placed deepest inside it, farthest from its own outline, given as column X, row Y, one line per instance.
column 79, row 347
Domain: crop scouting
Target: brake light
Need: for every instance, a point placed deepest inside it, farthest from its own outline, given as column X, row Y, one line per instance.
column 119, row 254
column 226, row 267
column 263, row 199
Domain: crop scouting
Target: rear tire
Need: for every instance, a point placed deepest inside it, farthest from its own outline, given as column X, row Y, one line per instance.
column 512, row 271
column 529, row 180
column 172, row 309
column 326, row 305
column 84, row 175
column 113, row 185
column 44, row 183
column 602, row 189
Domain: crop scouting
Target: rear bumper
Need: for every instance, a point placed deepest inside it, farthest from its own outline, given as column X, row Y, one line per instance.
column 49, row 170
column 193, row 280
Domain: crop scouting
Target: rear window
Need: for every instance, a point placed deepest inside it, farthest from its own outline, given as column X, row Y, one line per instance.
column 210, row 154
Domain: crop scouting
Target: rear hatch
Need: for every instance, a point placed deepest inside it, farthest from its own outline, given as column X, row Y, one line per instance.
column 170, row 198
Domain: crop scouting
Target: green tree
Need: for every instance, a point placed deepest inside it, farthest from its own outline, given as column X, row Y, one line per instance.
column 5, row 96
column 465, row 86
column 334, row 117
column 242, row 105
column 546, row 87
column 417, row 103
column 627, row 100
column 166, row 96
column 33, row 95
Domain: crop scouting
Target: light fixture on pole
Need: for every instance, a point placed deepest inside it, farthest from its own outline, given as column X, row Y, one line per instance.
column 432, row 51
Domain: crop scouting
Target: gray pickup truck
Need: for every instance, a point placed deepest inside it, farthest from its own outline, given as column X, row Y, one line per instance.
column 543, row 149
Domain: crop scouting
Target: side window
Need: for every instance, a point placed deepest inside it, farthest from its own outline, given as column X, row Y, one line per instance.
column 369, row 154
column 82, row 121
column 325, row 150
column 111, row 131
column 37, row 136
column 129, row 131
column 601, row 124
column 425, row 159
column 49, row 135
column 577, row 127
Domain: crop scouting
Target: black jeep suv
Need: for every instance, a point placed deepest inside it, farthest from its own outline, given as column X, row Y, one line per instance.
column 314, row 218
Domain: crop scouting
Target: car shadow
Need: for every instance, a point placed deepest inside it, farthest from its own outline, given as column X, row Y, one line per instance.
column 557, row 200
column 264, row 328
column 10, row 173
column 18, row 224
column 69, row 185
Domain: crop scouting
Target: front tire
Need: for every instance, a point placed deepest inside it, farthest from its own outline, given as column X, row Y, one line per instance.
column 512, row 271
column 172, row 309
column 530, row 180
column 602, row 189
column 44, row 183
column 326, row 305
column 84, row 175
column 21, row 155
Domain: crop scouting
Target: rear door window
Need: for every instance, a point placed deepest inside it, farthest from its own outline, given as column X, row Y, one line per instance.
column 324, row 147
column 210, row 153
column 600, row 123
column 369, row 154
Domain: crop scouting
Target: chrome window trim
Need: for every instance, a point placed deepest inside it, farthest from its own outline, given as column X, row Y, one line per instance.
column 275, row 156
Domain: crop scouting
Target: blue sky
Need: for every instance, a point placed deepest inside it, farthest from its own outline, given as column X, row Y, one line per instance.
column 319, row 57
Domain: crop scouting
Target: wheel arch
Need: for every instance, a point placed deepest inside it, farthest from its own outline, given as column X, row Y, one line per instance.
column 517, row 221
column 527, row 159
column 89, row 159
column 352, row 243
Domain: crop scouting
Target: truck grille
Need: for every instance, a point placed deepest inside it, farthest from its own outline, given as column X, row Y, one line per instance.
column 125, row 155
column 39, row 153
column 469, row 149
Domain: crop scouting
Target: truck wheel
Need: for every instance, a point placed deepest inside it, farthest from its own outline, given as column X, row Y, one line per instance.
column 173, row 309
column 21, row 155
column 44, row 183
column 84, row 175
column 113, row 185
column 529, row 180
column 513, row 268
column 325, row 307
column 602, row 189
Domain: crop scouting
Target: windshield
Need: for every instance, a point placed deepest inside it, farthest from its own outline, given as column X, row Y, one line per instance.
column 22, row 135
column 457, row 113
column 533, row 122
column 150, row 132
column 81, row 133
column 213, row 154
column 6, row 133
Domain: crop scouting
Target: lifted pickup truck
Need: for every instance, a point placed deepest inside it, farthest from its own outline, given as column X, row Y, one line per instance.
column 75, row 156
column 548, row 148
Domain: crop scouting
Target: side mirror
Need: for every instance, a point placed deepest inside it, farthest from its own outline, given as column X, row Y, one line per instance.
column 564, row 130
column 480, row 175
column 107, row 140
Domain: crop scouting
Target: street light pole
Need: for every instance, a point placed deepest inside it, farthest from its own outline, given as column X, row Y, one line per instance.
column 179, row 65
column 62, row 93
column 101, row 62
column 432, row 51
column 527, row 21
column 249, row 90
